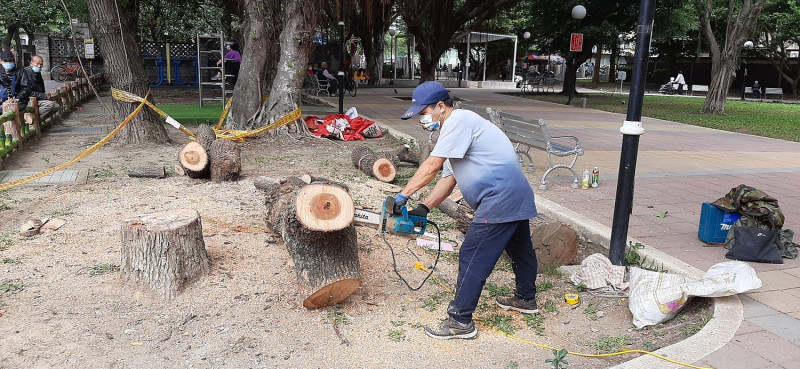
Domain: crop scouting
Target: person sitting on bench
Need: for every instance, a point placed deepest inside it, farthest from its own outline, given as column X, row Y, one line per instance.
column 756, row 89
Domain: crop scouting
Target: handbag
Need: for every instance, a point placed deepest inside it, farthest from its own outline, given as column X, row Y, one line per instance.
column 755, row 244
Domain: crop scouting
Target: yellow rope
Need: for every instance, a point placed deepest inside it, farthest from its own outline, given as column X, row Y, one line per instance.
column 623, row 352
column 78, row 157
column 224, row 114
column 230, row 134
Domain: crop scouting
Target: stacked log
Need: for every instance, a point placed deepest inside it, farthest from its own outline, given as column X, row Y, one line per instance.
column 226, row 161
column 194, row 159
column 210, row 157
column 374, row 165
column 316, row 223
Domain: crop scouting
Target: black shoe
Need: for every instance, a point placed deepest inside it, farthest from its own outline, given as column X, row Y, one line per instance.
column 518, row 304
column 450, row 328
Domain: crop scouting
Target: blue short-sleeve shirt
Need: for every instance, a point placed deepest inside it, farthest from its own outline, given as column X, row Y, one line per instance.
column 485, row 166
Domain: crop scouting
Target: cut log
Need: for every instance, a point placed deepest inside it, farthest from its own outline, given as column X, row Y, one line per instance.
column 194, row 159
column 205, row 136
column 150, row 171
column 316, row 224
column 178, row 168
column 226, row 161
column 408, row 155
column 366, row 160
column 164, row 250
column 462, row 214
column 555, row 244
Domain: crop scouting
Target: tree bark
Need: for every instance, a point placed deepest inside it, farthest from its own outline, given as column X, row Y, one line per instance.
column 405, row 154
column 164, row 250
column 555, row 244
column 151, row 171
column 194, row 159
column 124, row 66
column 225, row 161
column 205, row 136
column 371, row 164
column 463, row 215
column 316, row 224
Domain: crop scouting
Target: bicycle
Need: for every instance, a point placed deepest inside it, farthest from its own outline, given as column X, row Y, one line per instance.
column 351, row 86
column 62, row 72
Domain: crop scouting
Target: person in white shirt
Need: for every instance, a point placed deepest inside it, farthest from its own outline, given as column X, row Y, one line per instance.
column 680, row 81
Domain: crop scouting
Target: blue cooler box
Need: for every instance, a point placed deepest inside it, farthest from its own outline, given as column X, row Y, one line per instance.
column 714, row 223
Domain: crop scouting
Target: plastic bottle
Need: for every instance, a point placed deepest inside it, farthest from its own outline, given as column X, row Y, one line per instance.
column 595, row 177
column 586, row 179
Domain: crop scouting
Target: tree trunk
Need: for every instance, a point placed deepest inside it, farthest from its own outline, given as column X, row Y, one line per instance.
column 164, row 250
column 725, row 57
column 405, row 154
column 316, row 224
column 194, row 159
column 124, row 67
column 555, row 244
column 371, row 164
column 463, row 215
column 151, row 171
column 205, row 136
column 226, row 161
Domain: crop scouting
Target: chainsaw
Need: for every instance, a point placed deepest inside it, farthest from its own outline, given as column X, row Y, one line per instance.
column 388, row 221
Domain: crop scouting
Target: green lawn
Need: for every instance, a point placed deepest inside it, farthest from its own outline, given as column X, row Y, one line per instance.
column 752, row 117
column 193, row 114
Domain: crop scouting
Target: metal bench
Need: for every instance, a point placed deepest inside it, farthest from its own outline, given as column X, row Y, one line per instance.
column 775, row 91
column 314, row 86
column 549, row 84
column 699, row 88
column 526, row 133
column 531, row 84
column 485, row 113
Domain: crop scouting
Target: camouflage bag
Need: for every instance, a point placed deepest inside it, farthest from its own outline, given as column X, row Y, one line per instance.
column 755, row 203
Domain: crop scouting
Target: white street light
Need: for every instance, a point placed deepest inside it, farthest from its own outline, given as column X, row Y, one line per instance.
column 578, row 12
column 526, row 35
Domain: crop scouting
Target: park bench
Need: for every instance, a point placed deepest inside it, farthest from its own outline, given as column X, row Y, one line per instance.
column 315, row 86
column 529, row 84
column 526, row 133
column 773, row 91
column 485, row 113
column 699, row 88
column 549, row 84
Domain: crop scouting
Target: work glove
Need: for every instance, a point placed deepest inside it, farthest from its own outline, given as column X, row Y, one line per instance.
column 420, row 211
column 399, row 201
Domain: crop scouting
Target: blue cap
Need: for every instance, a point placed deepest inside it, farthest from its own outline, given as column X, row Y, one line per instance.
column 425, row 94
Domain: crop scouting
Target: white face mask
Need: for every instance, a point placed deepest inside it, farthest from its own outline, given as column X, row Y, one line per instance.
column 428, row 123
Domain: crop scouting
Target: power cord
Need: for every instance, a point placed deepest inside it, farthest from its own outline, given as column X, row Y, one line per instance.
column 430, row 272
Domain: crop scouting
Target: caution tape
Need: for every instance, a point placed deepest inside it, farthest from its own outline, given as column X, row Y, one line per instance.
column 78, row 157
column 224, row 114
column 129, row 97
column 230, row 134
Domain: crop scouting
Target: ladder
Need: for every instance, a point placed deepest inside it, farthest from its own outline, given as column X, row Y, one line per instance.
column 215, row 91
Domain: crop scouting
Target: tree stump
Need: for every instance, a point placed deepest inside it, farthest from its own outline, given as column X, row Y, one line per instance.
column 462, row 214
column 226, row 161
column 316, row 223
column 555, row 244
column 205, row 136
column 373, row 165
column 194, row 159
column 164, row 250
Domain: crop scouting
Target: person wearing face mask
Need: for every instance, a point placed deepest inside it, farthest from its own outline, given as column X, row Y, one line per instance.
column 30, row 84
column 233, row 60
column 8, row 76
column 475, row 154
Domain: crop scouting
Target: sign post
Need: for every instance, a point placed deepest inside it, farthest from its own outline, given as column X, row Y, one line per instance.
column 88, row 48
column 576, row 42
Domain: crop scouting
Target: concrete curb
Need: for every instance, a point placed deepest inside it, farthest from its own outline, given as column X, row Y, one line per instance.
column 728, row 311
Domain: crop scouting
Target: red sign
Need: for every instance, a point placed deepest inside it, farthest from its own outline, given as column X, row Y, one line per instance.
column 576, row 42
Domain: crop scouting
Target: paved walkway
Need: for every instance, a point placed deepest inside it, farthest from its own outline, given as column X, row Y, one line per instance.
column 679, row 167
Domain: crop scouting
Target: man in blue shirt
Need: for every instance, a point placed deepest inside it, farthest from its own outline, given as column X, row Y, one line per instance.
column 475, row 154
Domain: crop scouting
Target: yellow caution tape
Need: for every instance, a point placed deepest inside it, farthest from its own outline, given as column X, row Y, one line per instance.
column 78, row 157
column 230, row 134
column 224, row 114
column 129, row 97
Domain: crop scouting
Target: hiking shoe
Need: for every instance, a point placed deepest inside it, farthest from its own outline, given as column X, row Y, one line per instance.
column 518, row 304
column 450, row 328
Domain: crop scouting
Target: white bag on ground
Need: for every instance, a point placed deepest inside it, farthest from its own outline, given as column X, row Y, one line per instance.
column 351, row 113
column 657, row 297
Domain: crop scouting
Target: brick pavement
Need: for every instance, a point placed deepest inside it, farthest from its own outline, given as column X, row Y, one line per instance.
column 679, row 167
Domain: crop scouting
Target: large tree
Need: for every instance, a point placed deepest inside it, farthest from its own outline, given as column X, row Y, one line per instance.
column 29, row 16
column 115, row 30
column 369, row 21
column 738, row 18
column 779, row 30
column 435, row 23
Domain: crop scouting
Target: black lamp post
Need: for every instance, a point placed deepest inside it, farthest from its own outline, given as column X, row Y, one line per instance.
column 578, row 13
column 340, row 75
column 747, row 45
column 392, row 33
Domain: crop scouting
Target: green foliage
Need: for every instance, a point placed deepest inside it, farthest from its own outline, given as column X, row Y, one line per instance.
column 605, row 345
column 103, row 171
column 690, row 330
column 550, row 306
column 397, row 335
column 591, row 311
column 6, row 241
column 544, row 286
column 633, row 258
column 179, row 20
column 512, row 365
column 433, row 301
column 9, row 287
column 535, row 321
column 10, row 261
column 558, row 360
column 552, row 271
column 495, row 290
column 99, row 269
column 580, row 287
column 502, row 322
column 336, row 315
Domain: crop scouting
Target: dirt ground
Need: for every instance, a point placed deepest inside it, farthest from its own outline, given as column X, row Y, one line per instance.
column 63, row 303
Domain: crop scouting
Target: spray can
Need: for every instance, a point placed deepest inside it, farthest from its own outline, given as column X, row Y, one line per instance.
column 595, row 177
column 586, row 179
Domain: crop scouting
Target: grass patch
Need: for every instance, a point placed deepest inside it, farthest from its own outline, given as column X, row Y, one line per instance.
column 544, row 286
column 5, row 241
column 103, row 171
column 580, row 287
column 193, row 114
column 336, row 314
column 502, row 322
column 550, row 306
column 591, row 311
column 690, row 330
column 606, row 345
column 433, row 301
column 504, row 264
column 10, row 261
column 99, row 269
column 552, row 271
column 10, row 287
column 756, row 118
column 397, row 335
column 495, row 290
column 536, row 322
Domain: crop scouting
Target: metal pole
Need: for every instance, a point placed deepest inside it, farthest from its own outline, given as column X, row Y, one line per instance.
column 744, row 79
column 631, row 130
column 411, row 55
column 485, row 53
column 514, row 63
column 394, row 58
column 466, row 59
column 169, row 66
column 341, row 66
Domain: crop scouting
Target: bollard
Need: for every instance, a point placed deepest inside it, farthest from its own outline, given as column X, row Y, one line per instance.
column 583, row 101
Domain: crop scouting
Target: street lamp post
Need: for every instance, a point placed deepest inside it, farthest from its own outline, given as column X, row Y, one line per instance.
column 523, row 74
column 747, row 45
column 341, row 67
column 392, row 33
column 578, row 13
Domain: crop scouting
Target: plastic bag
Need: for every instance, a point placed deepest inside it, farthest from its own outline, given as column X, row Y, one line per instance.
column 658, row 297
